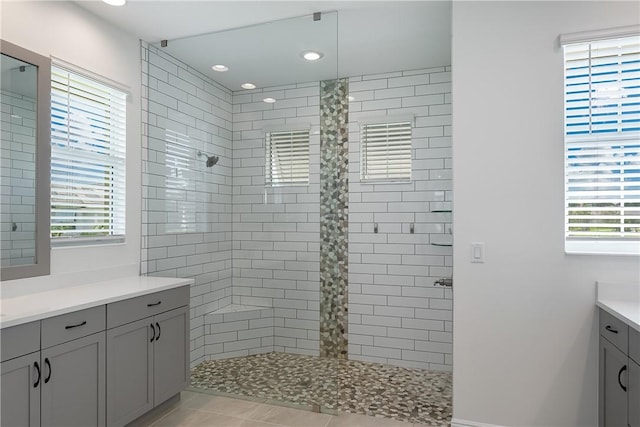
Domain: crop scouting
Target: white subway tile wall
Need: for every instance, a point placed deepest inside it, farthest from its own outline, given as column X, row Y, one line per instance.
column 250, row 245
column 276, row 230
column 238, row 331
column 187, row 209
column 17, row 179
column 396, row 315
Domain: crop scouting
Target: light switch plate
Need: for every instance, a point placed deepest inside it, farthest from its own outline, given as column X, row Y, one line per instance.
column 477, row 252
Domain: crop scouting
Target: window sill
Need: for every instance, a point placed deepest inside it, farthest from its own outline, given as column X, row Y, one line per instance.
column 80, row 243
column 602, row 247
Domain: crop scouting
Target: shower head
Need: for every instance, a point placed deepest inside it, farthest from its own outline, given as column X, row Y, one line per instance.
column 211, row 160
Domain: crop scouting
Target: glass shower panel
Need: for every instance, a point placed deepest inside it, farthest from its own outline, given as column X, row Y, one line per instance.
column 239, row 196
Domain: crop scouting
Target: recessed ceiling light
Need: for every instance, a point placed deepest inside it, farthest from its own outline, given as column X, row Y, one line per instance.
column 220, row 68
column 311, row 55
column 269, row 100
column 248, row 86
column 115, row 2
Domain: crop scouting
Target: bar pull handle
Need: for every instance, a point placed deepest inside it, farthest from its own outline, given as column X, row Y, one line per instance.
column 624, row 368
column 154, row 304
column 153, row 333
column 35, row 365
column 611, row 329
column 76, row 326
column 46, row 362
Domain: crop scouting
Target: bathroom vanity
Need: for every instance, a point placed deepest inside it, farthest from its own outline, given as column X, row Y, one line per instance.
column 619, row 355
column 98, row 354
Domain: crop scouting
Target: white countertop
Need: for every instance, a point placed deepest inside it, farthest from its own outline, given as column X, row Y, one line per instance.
column 40, row 305
column 621, row 300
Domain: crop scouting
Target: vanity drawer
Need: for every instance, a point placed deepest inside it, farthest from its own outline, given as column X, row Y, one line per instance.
column 614, row 330
column 634, row 345
column 67, row 327
column 19, row 340
column 130, row 310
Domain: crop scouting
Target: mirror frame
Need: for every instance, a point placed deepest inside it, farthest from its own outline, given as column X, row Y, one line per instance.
column 42, row 264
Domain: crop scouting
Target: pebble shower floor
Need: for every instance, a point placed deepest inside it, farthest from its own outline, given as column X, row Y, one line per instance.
column 413, row 395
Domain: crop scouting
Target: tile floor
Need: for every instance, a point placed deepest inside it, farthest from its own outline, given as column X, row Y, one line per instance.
column 200, row 410
column 402, row 394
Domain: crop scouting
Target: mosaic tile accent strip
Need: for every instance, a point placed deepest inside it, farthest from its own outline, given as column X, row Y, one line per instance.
column 413, row 395
column 334, row 202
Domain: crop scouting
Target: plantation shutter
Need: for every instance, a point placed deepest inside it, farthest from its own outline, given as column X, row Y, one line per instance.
column 88, row 144
column 287, row 158
column 602, row 139
column 385, row 151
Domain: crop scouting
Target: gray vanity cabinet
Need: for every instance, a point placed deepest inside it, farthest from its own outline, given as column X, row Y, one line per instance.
column 20, row 375
column 53, row 371
column 73, row 383
column 171, row 354
column 619, row 392
column 108, row 364
column 130, row 372
column 20, row 397
column 147, row 353
column 634, row 394
column 613, row 380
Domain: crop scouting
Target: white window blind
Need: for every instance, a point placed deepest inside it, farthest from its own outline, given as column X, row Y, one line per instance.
column 602, row 145
column 385, row 151
column 287, row 155
column 88, row 144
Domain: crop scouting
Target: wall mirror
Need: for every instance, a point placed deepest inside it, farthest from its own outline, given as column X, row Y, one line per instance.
column 24, row 169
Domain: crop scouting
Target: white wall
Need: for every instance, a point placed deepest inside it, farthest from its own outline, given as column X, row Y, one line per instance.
column 525, row 337
column 65, row 31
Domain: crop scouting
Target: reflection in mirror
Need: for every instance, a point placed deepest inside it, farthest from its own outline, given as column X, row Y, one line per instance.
column 18, row 211
column 24, row 168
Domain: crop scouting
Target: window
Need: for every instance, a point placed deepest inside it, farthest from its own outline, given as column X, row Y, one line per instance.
column 385, row 151
column 87, row 159
column 287, row 155
column 602, row 146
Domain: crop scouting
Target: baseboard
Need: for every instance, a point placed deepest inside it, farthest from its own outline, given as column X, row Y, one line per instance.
column 466, row 423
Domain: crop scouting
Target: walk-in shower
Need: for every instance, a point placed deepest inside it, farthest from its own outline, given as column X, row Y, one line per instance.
column 315, row 284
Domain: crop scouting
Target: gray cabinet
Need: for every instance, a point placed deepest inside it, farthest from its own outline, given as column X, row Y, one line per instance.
column 147, row 359
column 102, row 365
column 129, row 373
column 613, row 383
column 634, row 394
column 619, row 390
column 171, row 354
column 20, row 397
column 21, row 375
column 73, row 383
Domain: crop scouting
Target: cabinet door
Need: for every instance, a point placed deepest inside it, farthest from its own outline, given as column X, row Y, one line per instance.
column 171, row 353
column 20, row 388
column 634, row 394
column 614, row 378
column 73, row 386
column 129, row 372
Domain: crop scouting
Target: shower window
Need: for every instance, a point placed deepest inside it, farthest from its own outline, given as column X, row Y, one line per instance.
column 385, row 151
column 287, row 158
column 602, row 146
column 88, row 145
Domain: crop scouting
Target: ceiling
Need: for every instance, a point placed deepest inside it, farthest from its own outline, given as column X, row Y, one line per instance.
column 363, row 37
